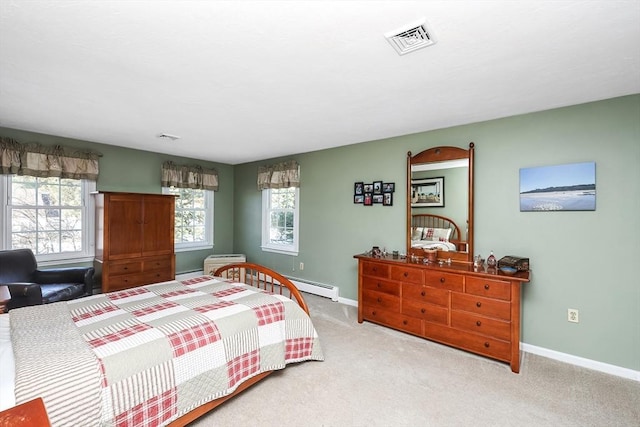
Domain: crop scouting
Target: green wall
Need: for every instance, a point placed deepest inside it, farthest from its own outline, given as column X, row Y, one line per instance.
column 123, row 169
column 581, row 260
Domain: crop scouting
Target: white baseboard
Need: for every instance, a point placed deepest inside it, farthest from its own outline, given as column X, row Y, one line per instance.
column 581, row 361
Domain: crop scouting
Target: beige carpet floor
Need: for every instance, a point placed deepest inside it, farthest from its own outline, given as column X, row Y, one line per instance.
column 374, row 376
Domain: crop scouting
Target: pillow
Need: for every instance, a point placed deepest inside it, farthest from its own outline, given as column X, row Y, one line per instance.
column 417, row 233
column 436, row 234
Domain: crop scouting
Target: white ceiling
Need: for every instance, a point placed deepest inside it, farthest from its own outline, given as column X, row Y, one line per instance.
column 240, row 81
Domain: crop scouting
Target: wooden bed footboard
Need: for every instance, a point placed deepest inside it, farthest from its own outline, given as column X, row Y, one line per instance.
column 264, row 278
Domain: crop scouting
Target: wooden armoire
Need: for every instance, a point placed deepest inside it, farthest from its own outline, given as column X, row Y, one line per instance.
column 135, row 239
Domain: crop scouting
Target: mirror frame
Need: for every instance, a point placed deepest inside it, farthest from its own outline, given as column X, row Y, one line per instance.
column 436, row 155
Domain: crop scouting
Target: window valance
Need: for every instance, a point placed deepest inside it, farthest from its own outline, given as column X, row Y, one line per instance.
column 189, row 176
column 33, row 159
column 281, row 175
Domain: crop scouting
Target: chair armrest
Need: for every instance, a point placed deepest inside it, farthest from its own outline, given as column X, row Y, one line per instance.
column 66, row 275
column 24, row 294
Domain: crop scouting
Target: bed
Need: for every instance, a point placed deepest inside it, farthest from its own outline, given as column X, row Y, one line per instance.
column 430, row 231
column 156, row 355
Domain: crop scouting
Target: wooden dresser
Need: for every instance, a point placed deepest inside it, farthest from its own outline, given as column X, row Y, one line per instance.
column 135, row 239
column 454, row 304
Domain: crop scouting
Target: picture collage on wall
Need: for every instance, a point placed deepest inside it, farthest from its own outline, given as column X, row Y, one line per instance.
column 378, row 192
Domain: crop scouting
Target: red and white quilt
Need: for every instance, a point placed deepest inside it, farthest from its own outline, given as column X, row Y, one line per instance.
column 148, row 355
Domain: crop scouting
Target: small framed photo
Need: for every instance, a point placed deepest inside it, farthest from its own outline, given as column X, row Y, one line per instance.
column 368, row 199
column 377, row 187
column 387, row 199
column 368, row 188
column 378, row 198
column 388, row 187
column 358, row 198
column 358, row 188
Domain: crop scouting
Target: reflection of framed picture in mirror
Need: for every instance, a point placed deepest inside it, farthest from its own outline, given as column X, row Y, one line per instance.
column 387, row 199
column 368, row 199
column 427, row 192
column 377, row 187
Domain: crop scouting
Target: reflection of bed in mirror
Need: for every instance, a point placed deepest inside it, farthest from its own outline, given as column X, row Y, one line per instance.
column 430, row 231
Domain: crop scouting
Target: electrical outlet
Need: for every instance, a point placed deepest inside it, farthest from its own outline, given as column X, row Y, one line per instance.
column 573, row 315
column 301, row 266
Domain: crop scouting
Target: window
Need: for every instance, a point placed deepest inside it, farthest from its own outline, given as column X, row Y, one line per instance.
column 194, row 218
column 51, row 216
column 280, row 220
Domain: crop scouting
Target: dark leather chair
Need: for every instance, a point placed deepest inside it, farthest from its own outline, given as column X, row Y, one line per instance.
column 30, row 286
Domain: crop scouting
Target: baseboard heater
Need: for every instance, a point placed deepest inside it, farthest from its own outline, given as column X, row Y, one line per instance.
column 315, row 288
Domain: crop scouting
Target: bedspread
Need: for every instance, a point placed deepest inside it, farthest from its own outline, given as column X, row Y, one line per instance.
column 148, row 355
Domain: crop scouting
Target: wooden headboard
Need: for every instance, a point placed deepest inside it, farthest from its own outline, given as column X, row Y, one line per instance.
column 437, row 221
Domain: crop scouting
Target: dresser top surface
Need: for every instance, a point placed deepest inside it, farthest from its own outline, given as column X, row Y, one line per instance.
column 453, row 267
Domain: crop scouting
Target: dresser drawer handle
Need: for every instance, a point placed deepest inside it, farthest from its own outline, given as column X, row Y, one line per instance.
column 422, row 310
column 404, row 322
column 486, row 286
column 375, row 269
column 442, row 280
column 379, row 300
column 478, row 323
column 423, row 293
column 486, row 344
column 379, row 284
column 125, row 268
column 373, row 313
column 478, row 304
column 406, row 274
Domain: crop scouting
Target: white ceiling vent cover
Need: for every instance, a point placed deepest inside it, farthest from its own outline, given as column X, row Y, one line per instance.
column 410, row 37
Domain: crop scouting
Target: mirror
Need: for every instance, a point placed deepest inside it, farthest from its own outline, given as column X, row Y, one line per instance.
column 440, row 203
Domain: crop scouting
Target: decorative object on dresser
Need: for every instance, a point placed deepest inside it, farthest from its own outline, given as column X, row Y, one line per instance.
column 454, row 304
column 135, row 239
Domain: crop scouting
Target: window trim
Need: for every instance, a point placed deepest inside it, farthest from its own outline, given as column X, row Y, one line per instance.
column 266, row 246
column 208, row 227
column 88, row 226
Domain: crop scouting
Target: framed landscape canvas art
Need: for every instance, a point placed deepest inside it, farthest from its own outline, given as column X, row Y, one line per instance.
column 568, row 187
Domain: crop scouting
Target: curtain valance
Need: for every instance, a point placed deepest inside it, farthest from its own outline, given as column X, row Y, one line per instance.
column 189, row 176
column 281, row 175
column 33, row 159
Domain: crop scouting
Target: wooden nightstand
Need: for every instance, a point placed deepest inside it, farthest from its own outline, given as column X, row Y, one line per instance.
column 5, row 297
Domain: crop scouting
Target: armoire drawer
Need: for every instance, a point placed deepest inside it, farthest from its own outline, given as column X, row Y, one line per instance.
column 425, row 294
column 124, row 267
column 162, row 262
column 157, row 276
column 495, row 328
column 442, row 280
column 488, row 288
column 480, row 305
column 381, row 285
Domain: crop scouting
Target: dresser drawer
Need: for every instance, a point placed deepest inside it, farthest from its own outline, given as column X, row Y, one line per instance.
column 426, row 294
column 487, row 346
column 442, row 280
column 406, row 274
column 156, row 263
column 375, row 269
column 394, row 320
column 480, row 305
column 124, row 267
column 428, row 312
column 373, row 299
column 381, row 285
column 488, row 288
column 495, row 328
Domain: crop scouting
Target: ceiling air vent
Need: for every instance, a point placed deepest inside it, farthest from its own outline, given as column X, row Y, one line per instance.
column 411, row 37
